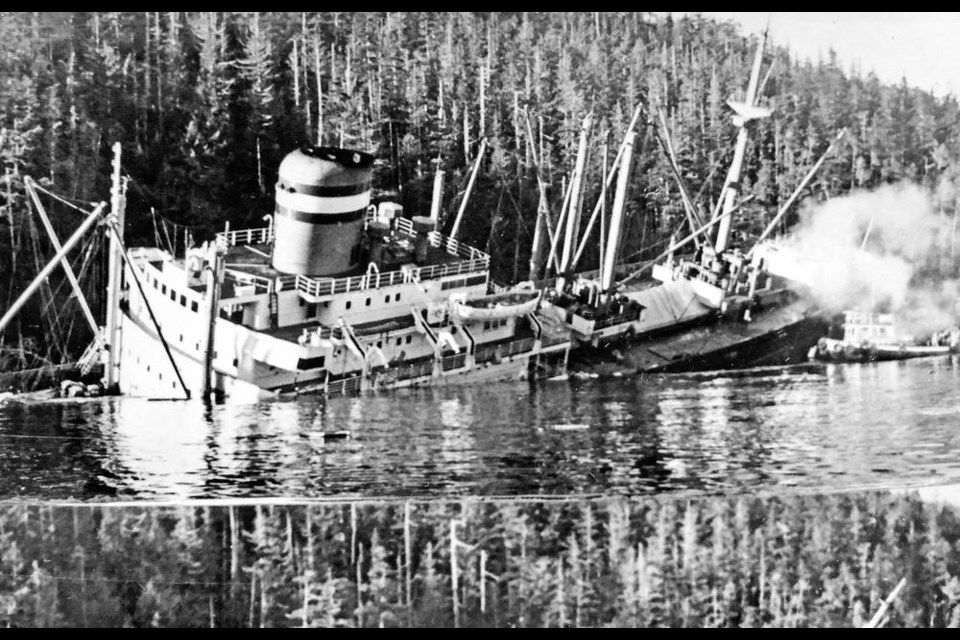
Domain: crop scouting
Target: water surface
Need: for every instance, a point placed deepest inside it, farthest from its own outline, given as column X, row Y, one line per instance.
column 831, row 427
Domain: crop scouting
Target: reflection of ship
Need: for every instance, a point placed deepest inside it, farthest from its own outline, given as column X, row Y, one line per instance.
column 333, row 295
column 719, row 307
column 870, row 337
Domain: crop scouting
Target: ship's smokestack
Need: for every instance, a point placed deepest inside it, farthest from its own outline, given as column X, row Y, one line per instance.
column 322, row 195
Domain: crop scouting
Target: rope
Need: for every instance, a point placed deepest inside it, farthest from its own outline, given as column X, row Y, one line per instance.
column 65, row 201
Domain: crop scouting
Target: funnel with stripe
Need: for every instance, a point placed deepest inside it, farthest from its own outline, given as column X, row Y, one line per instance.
column 322, row 195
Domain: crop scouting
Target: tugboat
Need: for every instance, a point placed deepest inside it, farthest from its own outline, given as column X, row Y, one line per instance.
column 333, row 295
column 872, row 337
column 721, row 307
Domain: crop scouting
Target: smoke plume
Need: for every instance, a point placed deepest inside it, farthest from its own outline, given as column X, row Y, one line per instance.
column 888, row 250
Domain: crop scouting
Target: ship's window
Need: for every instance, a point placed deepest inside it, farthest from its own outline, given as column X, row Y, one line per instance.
column 347, row 304
column 181, row 337
column 409, row 338
column 173, row 384
column 399, row 341
column 156, row 284
column 396, row 298
column 161, row 376
column 197, row 346
column 379, row 344
column 194, row 306
column 148, row 368
column 311, row 309
column 183, row 300
column 301, row 301
column 386, row 300
column 368, row 302
column 326, row 304
column 163, row 289
column 173, row 295
column 236, row 362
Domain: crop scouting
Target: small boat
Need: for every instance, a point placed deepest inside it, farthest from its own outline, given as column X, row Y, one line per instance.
column 872, row 337
column 499, row 306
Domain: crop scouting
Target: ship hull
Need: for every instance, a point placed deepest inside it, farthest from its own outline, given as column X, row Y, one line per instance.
column 145, row 371
column 778, row 335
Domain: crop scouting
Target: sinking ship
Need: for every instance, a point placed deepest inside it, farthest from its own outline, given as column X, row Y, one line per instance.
column 335, row 294
column 718, row 307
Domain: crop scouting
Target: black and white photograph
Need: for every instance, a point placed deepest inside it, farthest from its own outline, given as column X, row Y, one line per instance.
column 479, row 319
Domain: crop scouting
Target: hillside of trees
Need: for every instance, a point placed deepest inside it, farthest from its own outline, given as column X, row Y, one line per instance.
column 205, row 105
column 810, row 561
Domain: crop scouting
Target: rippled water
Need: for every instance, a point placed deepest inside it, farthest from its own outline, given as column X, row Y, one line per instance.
column 819, row 427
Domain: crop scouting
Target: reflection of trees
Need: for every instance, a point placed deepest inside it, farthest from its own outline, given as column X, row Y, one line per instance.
column 792, row 561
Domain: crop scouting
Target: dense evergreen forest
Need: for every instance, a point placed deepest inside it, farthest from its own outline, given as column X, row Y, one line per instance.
column 205, row 105
column 813, row 561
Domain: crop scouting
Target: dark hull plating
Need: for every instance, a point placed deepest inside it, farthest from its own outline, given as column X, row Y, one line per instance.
column 779, row 335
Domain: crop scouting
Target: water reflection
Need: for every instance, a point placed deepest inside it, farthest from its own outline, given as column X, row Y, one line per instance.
column 819, row 427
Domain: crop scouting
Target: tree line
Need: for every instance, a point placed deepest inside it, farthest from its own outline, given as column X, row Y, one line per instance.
column 811, row 561
column 206, row 105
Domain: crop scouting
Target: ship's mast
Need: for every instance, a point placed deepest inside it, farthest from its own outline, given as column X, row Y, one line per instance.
column 48, row 269
column 214, row 276
column 744, row 114
column 616, row 217
column 115, row 266
column 573, row 214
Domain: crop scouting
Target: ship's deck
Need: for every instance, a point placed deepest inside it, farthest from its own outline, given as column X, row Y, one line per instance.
column 255, row 259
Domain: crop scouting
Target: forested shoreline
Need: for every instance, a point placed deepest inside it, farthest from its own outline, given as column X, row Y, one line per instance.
column 205, row 105
column 802, row 560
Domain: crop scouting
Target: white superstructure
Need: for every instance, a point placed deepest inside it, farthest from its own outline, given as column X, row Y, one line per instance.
column 386, row 319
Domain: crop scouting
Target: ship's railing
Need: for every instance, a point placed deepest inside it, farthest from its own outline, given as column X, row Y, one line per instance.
column 327, row 286
column 261, row 235
column 550, row 339
column 453, row 362
column 517, row 346
column 486, row 353
column 619, row 318
column 242, row 278
column 476, row 261
column 404, row 226
column 417, row 370
column 344, row 385
column 456, row 248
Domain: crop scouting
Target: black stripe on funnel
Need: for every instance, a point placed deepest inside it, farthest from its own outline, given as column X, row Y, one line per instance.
column 321, row 218
column 324, row 192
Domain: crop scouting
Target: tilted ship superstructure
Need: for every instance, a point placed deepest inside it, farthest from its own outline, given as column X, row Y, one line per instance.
column 335, row 294
column 719, row 307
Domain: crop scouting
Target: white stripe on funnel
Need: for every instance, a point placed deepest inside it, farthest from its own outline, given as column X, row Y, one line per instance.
column 315, row 204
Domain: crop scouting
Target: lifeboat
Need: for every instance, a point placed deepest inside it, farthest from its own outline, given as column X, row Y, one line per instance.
column 497, row 306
